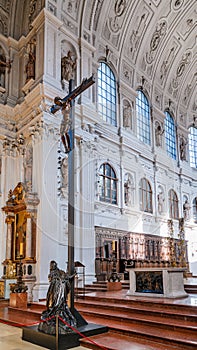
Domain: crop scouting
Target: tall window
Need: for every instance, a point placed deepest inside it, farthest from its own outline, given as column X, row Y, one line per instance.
column 170, row 136
column 173, row 205
column 107, row 93
column 193, row 147
column 145, row 193
column 143, row 118
column 108, row 184
column 195, row 209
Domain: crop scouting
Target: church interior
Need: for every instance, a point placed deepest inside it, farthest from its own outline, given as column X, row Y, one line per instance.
column 98, row 165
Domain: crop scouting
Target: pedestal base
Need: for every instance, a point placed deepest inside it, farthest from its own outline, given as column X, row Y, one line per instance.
column 18, row 300
column 71, row 340
column 112, row 286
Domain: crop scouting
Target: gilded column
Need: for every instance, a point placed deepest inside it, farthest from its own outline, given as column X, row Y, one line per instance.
column 9, row 220
column 28, row 254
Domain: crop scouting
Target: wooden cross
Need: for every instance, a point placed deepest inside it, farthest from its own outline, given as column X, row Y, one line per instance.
column 67, row 132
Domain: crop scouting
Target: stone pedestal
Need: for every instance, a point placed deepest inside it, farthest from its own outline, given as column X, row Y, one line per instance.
column 18, row 300
column 157, row 282
column 112, row 286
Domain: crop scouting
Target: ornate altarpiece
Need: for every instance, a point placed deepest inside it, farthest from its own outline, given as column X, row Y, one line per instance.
column 21, row 216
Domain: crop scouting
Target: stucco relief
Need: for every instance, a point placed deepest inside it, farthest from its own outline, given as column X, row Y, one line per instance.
column 188, row 92
column 114, row 22
column 3, row 24
column 182, row 118
column 158, row 97
column 127, row 73
column 136, row 35
column 35, row 7
column 166, row 64
column 71, row 7
column 174, row 84
column 176, row 4
column 157, row 36
column 143, row 82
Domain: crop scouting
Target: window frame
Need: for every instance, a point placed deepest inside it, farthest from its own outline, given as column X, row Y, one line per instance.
column 145, row 196
column 108, row 184
column 170, row 136
column 192, row 138
column 143, row 118
column 173, row 204
column 107, row 93
column 194, row 210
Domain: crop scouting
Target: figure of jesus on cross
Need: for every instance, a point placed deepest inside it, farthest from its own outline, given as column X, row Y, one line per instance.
column 67, row 133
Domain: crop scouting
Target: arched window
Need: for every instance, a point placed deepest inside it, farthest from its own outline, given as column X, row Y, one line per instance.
column 193, row 147
column 107, row 93
column 173, row 205
column 145, row 193
column 108, row 184
column 170, row 136
column 195, row 210
column 143, row 118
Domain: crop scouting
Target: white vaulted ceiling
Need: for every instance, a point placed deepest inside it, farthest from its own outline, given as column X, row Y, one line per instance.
column 156, row 40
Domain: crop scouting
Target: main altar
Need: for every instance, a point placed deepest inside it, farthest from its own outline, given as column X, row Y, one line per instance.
column 157, row 282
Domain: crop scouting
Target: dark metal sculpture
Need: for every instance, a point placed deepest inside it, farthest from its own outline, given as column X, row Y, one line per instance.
column 57, row 303
column 114, row 276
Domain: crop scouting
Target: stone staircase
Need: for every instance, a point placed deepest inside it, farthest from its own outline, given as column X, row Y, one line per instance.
column 102, row 287
column 153, row 324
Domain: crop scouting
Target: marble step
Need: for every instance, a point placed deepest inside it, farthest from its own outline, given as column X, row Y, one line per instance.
column 173, row 337
column 138, row 312
column 150, row 304
column 117, row 341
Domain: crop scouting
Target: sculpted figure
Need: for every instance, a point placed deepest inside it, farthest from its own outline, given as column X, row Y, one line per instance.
column 68, row 66
column 183, row 148
column 158, row 134
column 56, row 303
column 127, row 116
column 186, row 210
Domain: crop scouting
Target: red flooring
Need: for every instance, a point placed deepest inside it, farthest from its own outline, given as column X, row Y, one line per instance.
column 135, row 323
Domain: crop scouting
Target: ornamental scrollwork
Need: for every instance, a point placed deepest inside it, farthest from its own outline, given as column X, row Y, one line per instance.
column 160, row 31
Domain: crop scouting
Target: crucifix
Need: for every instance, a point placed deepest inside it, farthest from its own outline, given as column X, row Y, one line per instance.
column 67, row 133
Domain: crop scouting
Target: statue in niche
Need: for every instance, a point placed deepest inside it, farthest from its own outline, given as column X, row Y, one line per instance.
column 3, row 66
column 56, row 303
column 160, row 201
column 64, row 172
column 158, row 134
column 127, row 115
column 128, row 190
column 30, row 66
column 28, row 164
column 182, row 146
column 68, row 66
column 186, row 210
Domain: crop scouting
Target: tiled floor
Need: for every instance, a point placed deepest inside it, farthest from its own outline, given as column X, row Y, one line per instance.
column 10, row 339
